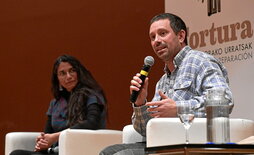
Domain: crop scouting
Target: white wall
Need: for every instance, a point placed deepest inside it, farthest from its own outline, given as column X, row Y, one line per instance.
column 233, row 13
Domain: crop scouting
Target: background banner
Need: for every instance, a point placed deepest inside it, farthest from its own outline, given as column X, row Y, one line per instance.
column 224, row 28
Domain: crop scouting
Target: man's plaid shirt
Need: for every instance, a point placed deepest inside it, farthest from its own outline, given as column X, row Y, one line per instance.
column 195, row 72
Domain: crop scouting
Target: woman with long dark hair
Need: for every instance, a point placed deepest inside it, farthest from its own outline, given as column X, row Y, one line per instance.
column 79, row 103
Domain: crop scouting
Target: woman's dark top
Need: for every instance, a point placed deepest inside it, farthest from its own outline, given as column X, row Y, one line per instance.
column 57, row 116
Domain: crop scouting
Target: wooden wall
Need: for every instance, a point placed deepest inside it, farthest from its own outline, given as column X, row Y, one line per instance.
column 109, row 37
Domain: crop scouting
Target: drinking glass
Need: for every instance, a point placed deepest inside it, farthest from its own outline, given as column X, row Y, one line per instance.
column 186, row 114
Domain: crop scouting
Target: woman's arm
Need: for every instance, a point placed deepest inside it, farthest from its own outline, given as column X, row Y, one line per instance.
column 44, row 141
column 48, row 126
column 93, row 118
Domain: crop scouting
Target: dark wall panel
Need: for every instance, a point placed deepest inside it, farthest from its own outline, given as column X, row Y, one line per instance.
column 109, row 37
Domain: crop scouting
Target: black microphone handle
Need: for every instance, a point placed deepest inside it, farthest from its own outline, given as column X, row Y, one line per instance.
column 144, row 74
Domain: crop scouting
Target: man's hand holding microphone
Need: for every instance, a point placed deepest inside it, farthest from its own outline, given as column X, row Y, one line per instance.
column 166, row 107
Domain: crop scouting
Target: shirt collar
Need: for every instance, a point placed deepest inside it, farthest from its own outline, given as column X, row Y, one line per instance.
column 166, row 70
column 178, row 58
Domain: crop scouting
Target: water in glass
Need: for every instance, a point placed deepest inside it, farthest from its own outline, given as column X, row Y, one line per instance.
column 186, row 114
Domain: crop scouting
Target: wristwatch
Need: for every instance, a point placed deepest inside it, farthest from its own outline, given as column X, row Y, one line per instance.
column 50, row 150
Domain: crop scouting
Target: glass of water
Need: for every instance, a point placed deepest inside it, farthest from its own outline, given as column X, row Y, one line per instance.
column 186, row 114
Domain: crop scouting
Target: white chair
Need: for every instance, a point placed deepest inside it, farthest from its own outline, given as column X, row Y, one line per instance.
column 20, row 140
column 160, row 131
column 71, row 141
column 130, row 135
column 87, row 142
column 168, row 131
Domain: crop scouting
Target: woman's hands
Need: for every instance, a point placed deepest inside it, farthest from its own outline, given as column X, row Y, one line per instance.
column 44, row 141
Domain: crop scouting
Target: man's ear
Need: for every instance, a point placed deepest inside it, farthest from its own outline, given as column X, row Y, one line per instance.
column 181, row 36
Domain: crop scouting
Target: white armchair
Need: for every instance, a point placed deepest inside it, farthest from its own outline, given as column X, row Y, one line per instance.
column 130, row 135
column 167, row 131
column 71, row 141
column 20, row 140
column 160, row 131
column 87, row 142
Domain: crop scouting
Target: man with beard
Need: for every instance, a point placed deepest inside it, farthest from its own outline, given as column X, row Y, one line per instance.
column 188, row 75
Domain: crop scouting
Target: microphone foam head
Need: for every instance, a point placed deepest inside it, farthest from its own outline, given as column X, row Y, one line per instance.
column 149, row 60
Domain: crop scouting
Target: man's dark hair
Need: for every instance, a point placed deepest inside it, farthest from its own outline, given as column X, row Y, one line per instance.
column 176, row 23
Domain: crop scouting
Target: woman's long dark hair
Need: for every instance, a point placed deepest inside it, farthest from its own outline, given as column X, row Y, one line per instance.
column 86, row 86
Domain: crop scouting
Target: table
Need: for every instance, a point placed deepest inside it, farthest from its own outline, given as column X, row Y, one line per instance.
column 189, row 149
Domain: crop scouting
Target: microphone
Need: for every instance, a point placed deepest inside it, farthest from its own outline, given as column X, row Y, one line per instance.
column 148, row 62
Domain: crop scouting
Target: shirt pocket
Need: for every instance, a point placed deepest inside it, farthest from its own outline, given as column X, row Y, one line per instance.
column 182, row 84
column 183, row 90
